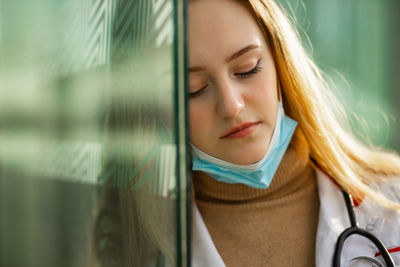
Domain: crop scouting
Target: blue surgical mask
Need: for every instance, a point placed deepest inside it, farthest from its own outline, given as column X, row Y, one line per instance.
column 259, row 174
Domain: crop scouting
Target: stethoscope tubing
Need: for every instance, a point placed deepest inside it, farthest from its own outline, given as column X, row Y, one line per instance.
column 354, row 229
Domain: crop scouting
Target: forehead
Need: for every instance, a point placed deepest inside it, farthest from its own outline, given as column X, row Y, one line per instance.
column 218, row 28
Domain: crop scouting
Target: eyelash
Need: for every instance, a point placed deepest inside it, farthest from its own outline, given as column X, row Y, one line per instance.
column 244, row 75
column 197, row 93
column 253, row 71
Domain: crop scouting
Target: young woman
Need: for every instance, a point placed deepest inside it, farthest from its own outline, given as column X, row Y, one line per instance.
column 270, row 158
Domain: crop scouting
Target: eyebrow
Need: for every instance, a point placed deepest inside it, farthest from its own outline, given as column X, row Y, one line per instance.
column 241, row 52
column 232, row 57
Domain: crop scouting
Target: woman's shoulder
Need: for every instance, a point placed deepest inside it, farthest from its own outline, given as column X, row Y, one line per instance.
column 378, row 220
column 370, row 210
column 390, row 188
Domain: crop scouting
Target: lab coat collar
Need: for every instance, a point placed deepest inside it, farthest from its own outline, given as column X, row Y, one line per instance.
column 333, row 218
column 204, row 252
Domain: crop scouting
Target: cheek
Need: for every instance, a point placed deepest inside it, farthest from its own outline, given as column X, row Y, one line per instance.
column 200, row 119
column 266, row 89
column 265, row 97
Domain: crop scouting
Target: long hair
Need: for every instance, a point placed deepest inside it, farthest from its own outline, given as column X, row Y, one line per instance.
column 358, row 168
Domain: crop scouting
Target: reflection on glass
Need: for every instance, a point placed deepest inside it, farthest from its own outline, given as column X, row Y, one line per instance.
column 87, row 135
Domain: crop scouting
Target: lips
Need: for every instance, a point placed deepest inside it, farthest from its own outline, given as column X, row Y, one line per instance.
column 241, row 130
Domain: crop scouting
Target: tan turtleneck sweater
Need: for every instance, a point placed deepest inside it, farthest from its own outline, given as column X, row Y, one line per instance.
column 264, row 227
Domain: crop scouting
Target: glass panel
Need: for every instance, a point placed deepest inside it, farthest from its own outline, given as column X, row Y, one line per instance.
column 89, row 133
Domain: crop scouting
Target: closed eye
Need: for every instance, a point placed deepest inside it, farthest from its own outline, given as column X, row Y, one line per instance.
column 198, row 92
column 254, row 70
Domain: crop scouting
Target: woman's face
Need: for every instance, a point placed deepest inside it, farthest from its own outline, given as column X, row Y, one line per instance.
column 233, row 84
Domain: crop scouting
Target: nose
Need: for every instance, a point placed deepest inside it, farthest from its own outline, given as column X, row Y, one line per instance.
column 230, row 100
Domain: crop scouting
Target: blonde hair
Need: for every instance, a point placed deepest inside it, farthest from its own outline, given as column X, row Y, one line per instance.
column 356, row 167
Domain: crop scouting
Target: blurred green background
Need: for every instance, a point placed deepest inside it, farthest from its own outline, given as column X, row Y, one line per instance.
column 357, row 43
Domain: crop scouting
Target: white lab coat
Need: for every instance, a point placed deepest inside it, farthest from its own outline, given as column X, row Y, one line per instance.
column 333, row 219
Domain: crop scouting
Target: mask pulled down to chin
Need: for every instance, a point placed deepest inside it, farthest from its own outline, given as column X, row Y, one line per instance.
column 259, row 174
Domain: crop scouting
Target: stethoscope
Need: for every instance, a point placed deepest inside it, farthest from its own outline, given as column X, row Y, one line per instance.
column 354, row 229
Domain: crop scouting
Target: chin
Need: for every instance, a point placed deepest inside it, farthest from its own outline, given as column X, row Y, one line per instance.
column 253, row 155
column 246, row 158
